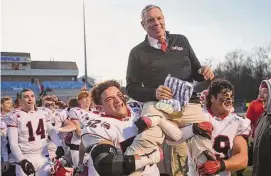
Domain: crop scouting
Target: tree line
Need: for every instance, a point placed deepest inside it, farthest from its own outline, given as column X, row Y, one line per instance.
column 245, row 70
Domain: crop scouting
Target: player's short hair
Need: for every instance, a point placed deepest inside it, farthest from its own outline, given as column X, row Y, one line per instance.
column 100, row 88
column 61, row 104
column 148, row 8
column 23, row 91
column 216, row 87
column 48, row 98
column 83, row 94
column 4, row 99
column 73, row 102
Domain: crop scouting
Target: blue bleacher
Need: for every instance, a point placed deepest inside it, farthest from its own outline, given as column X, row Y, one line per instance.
column 62, row 84
column 18, row 85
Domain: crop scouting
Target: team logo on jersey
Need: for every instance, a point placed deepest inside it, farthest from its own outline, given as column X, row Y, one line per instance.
column 106, row 125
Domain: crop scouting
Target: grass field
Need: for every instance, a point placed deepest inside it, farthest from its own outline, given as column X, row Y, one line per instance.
column 247, row 172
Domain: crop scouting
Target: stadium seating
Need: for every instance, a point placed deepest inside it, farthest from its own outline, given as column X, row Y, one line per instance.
column 62, row 84
column 18, row 85
column 64, row 89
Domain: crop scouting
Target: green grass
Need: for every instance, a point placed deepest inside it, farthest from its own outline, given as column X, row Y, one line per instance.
column 247, row 172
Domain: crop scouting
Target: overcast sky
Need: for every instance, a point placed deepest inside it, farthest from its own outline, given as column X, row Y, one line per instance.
column 54, row 29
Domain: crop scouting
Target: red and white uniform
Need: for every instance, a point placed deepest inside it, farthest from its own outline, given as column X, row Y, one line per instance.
column 56, row 121
column 225, row 130
column 82, row 117
column 4, row 142
column 120, row 131
column 6, row 154
column 27, row 133
column 60, row 116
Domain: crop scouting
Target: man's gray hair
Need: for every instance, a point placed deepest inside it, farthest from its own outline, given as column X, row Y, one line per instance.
column 146, row 9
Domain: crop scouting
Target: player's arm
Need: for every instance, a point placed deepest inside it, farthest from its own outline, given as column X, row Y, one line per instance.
column 13, row 142
column 239, row 157
column 68, row 126
column 4, row 152
column 4, row 142
column 55, row 139
column 176, row 134
column 12, row 134
column 53, row 134
column 73, row 116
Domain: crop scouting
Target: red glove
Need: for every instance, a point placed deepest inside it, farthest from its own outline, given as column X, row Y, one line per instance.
column 212, row 166
column 204, row 129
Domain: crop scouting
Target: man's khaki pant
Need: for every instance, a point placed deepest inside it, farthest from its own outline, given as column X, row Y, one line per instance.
column 154, row 136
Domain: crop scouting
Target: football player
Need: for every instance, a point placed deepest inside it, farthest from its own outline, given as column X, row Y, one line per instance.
column 27, row 134
column 229, row 137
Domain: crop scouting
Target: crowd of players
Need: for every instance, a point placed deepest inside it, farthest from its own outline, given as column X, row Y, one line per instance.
column 93, row 133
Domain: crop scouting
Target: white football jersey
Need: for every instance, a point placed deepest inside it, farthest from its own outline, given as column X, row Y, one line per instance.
column 5, row 148
column 4, row 142
column 101, row 127
column 120, row 131
column 82, row 116
column 225, row 130
column 32, row 129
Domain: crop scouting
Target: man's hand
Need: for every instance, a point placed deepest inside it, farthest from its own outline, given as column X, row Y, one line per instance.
column 163, row 93
column 207, row 72
column 203, row 129
column 80, row 169
column 5, row 166
column 59, row 152
column 27, row 167
column 212, row 166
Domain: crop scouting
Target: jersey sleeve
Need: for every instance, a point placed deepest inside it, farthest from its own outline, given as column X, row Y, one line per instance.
column 63, row 115
column 48, row 114
column 11, row 120
column 73, row 114
column 244, row 127
column 4, row 142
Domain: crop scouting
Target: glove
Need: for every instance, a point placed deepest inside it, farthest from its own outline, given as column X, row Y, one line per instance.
column 203, row 129
column 143, row 124
column 212, row 166
column 59, row 152
column 27, row 167
column 80, row 169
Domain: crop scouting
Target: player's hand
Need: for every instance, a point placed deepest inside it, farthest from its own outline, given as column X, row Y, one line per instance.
column 27, row 167
column 80, row 169
column 143, row 123
column 5, row 166
column 163, row 93
column 59, row 152
column 203, row 129
column 212, row 166
column 207, row 72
